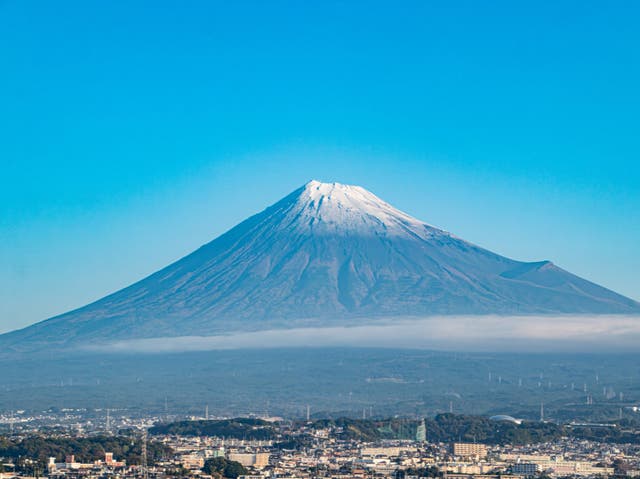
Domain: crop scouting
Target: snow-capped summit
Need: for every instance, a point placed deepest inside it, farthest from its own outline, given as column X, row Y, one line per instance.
column 326, row 254
column 326, row 208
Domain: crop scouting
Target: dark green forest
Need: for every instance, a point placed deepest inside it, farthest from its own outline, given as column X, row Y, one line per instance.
column 446, row 428
column 221, row 467
column 238, row 428
column 85, row 449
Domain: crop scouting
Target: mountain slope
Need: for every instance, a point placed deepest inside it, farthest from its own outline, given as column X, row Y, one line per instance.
column 325, row 254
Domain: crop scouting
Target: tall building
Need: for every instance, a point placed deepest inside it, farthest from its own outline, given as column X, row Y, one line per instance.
column 421, row 432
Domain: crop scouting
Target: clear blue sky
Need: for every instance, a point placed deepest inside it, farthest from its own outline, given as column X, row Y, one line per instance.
column 133, row 132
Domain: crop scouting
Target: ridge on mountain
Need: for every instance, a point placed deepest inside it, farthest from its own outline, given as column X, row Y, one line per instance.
column 326, row 254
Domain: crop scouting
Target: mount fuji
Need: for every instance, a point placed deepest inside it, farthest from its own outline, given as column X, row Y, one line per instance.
column 327, row 254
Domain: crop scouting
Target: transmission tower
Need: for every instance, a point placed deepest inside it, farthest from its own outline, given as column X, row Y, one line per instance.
column 143, row 455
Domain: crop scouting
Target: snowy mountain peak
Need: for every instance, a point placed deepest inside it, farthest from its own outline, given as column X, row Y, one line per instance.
column 336, row 207
column 326, row 254
column 338, row 194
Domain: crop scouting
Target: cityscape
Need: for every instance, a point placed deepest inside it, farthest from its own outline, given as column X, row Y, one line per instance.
column 335, row 239
column 67, row 444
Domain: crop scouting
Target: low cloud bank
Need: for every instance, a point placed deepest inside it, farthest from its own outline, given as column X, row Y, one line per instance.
column 468, row 333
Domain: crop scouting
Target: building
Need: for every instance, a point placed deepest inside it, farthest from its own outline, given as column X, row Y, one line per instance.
column 110, row 462
column 505, row 418
column 480, row 476
column 560, row 467
column 526, row 469
column 71, row 464
column 192, row 461
column 537, row 458
column 469, row 450
column 386, row 451
column 421, row 432
column 257, row 460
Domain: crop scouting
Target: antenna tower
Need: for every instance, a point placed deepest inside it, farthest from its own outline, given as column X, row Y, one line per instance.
column 143, row 455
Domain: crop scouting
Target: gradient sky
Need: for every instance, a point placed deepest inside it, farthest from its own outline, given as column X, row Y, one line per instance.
column 133, row 132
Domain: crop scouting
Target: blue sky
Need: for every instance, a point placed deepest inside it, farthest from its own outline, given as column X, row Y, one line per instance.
column 133, row 132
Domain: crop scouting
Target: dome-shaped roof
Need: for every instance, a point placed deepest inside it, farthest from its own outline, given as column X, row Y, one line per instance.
column 505, row 418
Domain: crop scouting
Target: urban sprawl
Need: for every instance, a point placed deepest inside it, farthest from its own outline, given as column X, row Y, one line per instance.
column 65, row 446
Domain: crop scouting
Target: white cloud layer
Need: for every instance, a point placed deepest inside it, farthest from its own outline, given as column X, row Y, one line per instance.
column 467, row 333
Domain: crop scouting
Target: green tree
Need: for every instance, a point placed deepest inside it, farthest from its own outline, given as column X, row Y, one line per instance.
column 224, row 467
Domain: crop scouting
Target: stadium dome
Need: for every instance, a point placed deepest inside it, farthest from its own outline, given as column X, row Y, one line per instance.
column 505, row 418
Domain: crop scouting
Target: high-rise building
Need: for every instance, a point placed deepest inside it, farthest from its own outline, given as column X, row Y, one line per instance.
column 421, row 432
